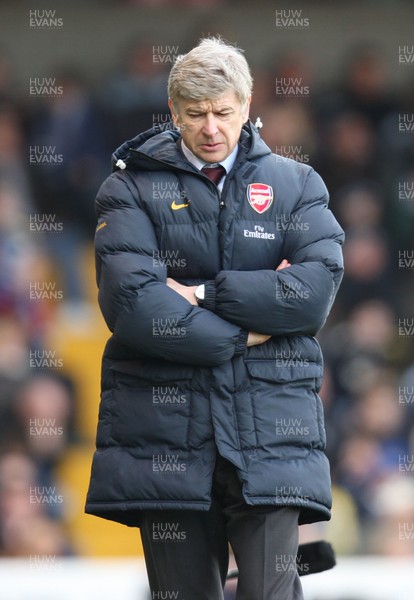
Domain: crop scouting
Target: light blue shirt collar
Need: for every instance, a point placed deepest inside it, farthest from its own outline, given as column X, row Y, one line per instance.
column 227, row 163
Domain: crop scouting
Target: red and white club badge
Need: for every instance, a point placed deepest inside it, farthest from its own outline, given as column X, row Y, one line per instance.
column 260, row 196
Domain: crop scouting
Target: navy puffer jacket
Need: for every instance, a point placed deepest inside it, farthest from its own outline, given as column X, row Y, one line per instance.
column 178, row 382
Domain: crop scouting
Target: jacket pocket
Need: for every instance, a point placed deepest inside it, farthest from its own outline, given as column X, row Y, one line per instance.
column 284, row 370
column 151, row 405
column 285, row 405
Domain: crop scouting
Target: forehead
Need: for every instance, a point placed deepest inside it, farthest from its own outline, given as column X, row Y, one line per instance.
column 228, row 99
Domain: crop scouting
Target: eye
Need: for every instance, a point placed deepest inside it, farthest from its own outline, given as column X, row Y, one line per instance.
column 224, row 114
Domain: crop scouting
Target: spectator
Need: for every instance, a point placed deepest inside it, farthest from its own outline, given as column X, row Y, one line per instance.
column 67, row 135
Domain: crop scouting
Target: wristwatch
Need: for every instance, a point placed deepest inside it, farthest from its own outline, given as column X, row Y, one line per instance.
column 199, row 294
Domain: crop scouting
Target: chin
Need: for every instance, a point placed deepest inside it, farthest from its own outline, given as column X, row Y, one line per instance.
column 213, row 156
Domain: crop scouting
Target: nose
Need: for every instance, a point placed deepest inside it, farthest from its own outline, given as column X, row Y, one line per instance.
column 210, row 125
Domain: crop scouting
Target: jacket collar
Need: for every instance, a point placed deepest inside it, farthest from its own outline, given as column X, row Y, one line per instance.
column 153, row 148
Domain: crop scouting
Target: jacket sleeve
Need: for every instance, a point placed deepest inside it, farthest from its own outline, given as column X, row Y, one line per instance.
column 295, row 300
column 138, row 307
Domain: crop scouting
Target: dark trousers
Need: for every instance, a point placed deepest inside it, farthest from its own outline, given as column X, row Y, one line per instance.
column 186, row 552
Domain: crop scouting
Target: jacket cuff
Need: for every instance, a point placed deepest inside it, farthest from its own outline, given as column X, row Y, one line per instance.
column 241, row 343
column 209, row 301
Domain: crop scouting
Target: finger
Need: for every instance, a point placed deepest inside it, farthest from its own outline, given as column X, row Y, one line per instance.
column 282, row 265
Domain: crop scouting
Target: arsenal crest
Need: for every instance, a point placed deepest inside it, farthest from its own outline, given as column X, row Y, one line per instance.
column 260, row 196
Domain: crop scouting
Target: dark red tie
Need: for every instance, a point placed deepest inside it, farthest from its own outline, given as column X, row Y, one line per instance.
column 214, row 173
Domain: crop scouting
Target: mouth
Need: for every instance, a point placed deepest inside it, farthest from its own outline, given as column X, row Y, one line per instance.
column 211, row 147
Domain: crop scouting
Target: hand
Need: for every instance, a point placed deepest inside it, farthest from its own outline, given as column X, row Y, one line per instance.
column 186, row 291
column 254, row 339
column 283, row 265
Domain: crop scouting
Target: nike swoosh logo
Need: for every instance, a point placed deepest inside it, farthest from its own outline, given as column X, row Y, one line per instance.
column 175, row 206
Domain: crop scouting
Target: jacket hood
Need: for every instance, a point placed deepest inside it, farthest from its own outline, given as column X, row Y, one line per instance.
column 154, row 146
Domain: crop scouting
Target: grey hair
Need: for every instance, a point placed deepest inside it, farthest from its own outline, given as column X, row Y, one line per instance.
column 208, row 71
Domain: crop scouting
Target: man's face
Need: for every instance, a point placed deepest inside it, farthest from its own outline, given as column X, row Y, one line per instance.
column 210, row 128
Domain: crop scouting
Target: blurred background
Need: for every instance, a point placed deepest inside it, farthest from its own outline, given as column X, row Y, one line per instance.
column 334, row 88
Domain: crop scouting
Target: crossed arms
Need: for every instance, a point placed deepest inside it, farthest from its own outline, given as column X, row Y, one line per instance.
column 240, row 308
column 188, row 292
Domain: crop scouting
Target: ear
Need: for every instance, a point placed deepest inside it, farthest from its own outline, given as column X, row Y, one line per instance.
column 246, row 109
column 173, row 112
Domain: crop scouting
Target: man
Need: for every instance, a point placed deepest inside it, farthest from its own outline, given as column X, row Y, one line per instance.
column 213, row 285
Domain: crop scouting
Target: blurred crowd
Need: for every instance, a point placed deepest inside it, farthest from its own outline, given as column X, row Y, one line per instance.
column 55, row 147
